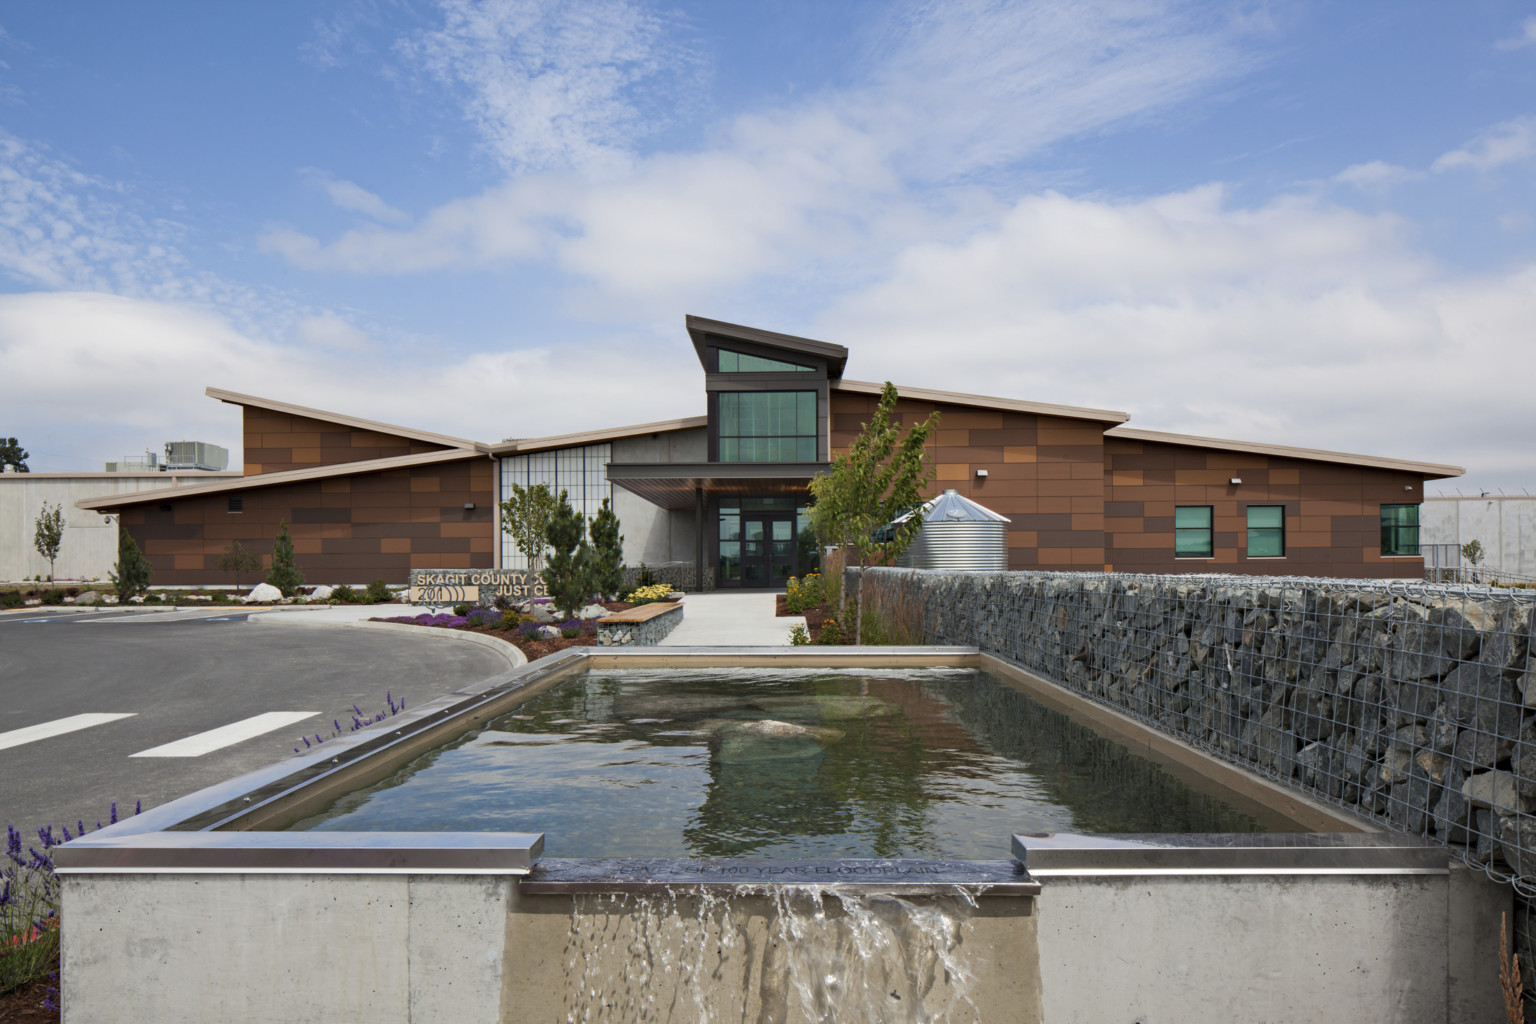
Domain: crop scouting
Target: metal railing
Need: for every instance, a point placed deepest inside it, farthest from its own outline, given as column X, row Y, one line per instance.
column 1410, row 704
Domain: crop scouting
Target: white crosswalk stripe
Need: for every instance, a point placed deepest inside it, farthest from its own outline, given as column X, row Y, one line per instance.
column 57, row 727
column 226, row 735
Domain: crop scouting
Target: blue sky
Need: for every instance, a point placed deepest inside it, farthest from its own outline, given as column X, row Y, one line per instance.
column 1309, row 223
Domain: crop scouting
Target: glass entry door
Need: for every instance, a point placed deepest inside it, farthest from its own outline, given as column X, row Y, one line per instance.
column 767, row 551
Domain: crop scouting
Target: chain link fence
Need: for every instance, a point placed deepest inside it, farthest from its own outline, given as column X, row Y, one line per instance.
column 1410, row 704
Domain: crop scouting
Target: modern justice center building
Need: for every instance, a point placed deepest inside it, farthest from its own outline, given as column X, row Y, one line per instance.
column 722, row 496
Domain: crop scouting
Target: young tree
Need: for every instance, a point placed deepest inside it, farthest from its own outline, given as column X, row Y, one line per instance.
column 607, row 564
column 132, row 574
column 12, row 454
column 284, row 574
column 239, row 559
column 881, row 476
column 48, row 534
column 567, row 576
column 524, row 517
column 1472, row 551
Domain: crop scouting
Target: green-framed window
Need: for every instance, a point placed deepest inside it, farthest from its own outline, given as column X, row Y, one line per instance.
column 1266, row 531
column 1193, row 532
column 767, row 426
column 740, row 362
column 1399, row 529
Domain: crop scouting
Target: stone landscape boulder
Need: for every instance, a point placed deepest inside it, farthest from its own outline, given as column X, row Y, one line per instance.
column 263, row 592
column 592, row 611
column 87, row 597
column 321, row 593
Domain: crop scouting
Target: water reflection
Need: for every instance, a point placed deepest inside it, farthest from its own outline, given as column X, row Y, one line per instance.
column 782, row 764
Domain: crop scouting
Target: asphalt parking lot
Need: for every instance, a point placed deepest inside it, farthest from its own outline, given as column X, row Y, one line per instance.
column 124, row 706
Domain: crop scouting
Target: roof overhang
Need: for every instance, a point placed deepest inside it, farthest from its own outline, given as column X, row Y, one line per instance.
column 836, row 356
column 255, row 402
column 538, row 444
column 674, row 485
column 1427, row 470
column 864, row 387
column 111, row 502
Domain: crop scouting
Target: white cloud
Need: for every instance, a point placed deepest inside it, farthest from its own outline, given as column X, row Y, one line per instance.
column 328, row 330
column 132, row 373
column 1510, row 142
column 1525, row 37
column 1375, row 175
column 823, row 187
column 550, row 84
column 351, row 196
column 1291, row 322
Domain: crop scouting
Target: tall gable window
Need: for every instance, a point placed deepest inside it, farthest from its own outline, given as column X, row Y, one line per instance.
column 740, row 362
column 767, row 426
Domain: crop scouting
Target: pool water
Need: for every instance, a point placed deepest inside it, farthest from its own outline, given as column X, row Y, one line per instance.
column 782, row 764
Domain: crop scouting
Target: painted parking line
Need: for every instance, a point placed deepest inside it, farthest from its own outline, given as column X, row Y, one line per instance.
column 226, row 735
column 57, row 727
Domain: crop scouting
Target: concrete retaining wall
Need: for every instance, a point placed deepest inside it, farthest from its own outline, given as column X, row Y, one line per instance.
column 1387, row 948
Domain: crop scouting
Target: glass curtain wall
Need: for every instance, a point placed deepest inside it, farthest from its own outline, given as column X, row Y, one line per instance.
column 767, row 426
column 581, row 472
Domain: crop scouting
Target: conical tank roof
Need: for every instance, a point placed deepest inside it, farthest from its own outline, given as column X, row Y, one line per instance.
column 953, row 507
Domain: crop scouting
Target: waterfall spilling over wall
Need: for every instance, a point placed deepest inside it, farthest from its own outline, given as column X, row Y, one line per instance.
column 1411, row 704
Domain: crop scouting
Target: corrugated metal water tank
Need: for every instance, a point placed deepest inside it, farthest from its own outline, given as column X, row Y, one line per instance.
column 957, row 533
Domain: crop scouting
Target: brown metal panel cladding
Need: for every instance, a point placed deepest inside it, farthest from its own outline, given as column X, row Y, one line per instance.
column 322, row 515
column 1124, row 509
column 1023, row 539
column 462, row 560
column 350, row 546
column 1062, row 521
column 1072, row 539
column 395, row 545
column 1090, row 454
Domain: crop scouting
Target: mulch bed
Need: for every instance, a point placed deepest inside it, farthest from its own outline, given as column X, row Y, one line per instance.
column 813, row 616
column 24, row 1004
column 533, row 650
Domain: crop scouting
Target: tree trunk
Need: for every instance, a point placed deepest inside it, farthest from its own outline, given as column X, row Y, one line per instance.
column 858, row 604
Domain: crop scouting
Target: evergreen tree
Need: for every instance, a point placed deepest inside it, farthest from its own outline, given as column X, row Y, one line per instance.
column 48, row 534
column 13, row 455
column 284, row 574
column 238, row 559
column 881, row 476
column 132, row 574
column 567, row 574
column 607, row 561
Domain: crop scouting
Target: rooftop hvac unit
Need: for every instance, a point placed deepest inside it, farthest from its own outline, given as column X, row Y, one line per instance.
column 957, row 533
column 145, row 463
column 195, row 455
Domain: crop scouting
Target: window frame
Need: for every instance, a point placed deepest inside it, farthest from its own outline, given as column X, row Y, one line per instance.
column 1263, row 530
column 1209, row 529
column 1394, row 531
column 798, row 440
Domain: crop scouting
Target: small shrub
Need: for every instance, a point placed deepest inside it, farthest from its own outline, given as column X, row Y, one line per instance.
column 284, row 574
column 803, row 593
column 510, row 619
column 53, row 595
column 72, row 591
column 11, row 599
column 345, row 595
column 461, row 609
column 646, row 579
column 503, row 602
column 648, row 595
column 573, row 628
column 831, row 633
column 153, row 599
column 378, row 593
column 219, row 597
column 799, row 636
column 132, row 573
column 528, row 632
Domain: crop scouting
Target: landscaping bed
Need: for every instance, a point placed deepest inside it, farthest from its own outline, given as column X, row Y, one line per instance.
column 28, row 1003
column 520, row 634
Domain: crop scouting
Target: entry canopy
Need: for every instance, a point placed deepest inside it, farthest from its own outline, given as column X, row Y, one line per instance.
column 674, row 485
column 952, row 507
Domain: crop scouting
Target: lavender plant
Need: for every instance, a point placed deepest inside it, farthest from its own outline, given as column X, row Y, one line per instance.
column 359, row 722
column 29, row 905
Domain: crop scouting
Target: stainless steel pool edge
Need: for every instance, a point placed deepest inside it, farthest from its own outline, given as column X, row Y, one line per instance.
column 1227, row 853
column 353, row 853
column 675, row 877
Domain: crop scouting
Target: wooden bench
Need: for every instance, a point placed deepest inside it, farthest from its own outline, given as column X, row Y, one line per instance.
column 641, row 626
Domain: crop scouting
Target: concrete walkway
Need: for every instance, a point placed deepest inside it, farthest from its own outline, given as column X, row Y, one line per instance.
column 731, row 619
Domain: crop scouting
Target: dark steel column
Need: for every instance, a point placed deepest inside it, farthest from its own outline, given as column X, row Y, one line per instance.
column 698, row 539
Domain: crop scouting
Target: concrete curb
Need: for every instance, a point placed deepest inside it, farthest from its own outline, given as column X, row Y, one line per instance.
column 515, row 658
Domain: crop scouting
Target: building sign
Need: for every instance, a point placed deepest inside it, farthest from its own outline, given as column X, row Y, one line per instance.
column 473, row 586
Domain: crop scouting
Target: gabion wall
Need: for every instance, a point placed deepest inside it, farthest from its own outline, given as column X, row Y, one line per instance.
column 681, row 575
column 1411, row 704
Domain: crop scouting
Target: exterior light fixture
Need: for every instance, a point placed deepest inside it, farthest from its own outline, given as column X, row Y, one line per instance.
column 469, row 504
column 1407, row 487
column 1235, row 480
column 981, row 473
